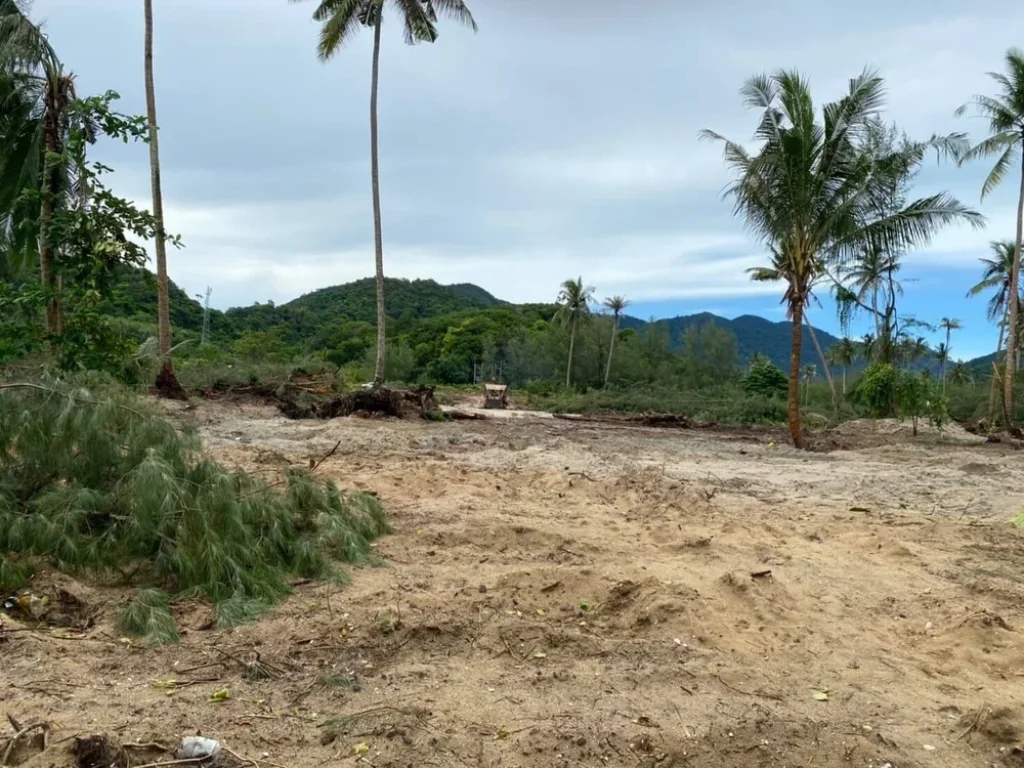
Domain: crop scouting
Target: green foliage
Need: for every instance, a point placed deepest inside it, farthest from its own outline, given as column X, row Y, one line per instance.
column 262, row 345
column 885, row 391
column 149, row 615
column 878, row 390
column 765, row 379
column 91, row 480
column 918, row 396
column 97, row 236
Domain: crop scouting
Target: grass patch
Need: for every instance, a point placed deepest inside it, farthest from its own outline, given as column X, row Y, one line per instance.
column 92, row 479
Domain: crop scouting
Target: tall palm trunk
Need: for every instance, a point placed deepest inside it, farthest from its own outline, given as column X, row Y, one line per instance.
column 163, row 312
column 797, row 312
column 46, row 266
column 993, row 391
column 824, row 360
column 572, row 345
column 51, row 142
column 844, row 379
column 1011, row 343
column 874, row 308
column 611, row 348
column 945, row 358
column 378, row 238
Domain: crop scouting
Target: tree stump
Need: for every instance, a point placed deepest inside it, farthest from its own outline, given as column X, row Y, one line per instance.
column 167, row 384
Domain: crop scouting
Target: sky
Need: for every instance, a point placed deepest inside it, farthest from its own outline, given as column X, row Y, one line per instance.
column 561, row 140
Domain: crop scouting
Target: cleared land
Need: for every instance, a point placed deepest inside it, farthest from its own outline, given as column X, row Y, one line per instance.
column 567, row 594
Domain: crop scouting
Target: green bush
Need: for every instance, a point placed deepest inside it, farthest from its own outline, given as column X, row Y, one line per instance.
column 878, row 390
column 764, row 378
column 94, row 482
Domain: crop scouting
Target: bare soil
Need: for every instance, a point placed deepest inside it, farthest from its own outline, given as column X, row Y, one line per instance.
column 582, row 594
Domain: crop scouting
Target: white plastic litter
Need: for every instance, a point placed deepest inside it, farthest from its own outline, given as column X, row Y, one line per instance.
column 194, row 747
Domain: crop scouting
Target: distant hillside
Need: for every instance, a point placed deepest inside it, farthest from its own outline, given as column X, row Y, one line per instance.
column 403, row 298
column 135, row 297
column 312, row 318
column 753, row 334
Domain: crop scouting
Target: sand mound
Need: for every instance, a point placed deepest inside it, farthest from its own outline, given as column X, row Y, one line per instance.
column 951, row 433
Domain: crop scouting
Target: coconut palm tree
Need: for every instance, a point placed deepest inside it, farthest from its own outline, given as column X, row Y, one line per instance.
column 340, row 20
column 996, row 275
column 818, row 191
column 166, row 378
column 871, row 275
column 808, row 373
column 948, row 324
column 844, row 353
column 1005, row 116
column 867, row 346
column 616, row 304
column 942, row 355
column 573, row 309
column 40, row 94
column 960, row 374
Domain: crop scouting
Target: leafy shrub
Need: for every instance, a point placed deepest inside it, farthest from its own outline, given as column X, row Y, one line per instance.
column 93, row 481
column 764, row 378
column 918, row 395
column 878, row 390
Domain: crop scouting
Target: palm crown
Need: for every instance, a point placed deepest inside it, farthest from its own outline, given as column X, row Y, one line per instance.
column 1005, row 115
column 341, row 19
column 996, row 274
column 574, row 300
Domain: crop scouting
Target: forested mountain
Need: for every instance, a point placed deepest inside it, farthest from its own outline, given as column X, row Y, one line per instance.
column 340, row 317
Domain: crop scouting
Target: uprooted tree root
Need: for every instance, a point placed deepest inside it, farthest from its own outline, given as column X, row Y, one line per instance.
column 168, row 386
column 296, row 403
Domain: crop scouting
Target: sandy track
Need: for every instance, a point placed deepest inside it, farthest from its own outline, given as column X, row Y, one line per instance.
column 561, row 594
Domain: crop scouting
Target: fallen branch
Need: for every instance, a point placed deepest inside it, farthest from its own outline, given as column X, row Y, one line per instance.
column 313, row 467
column 13, row 740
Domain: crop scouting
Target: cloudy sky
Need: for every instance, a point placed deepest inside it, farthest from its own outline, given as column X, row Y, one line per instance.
column 561, row 140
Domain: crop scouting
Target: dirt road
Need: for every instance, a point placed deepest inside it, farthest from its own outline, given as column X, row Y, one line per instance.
column 561, row 594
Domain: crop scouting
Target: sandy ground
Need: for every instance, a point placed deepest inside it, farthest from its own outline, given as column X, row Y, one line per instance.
column 567, row 594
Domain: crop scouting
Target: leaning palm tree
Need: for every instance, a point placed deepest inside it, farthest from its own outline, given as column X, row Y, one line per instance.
column 167, row 382
column 1005, row 116
column 574, row 307
column 43, row 92
column 616, row 304
column 340, row 21
column 948, row 324
column 818, row 191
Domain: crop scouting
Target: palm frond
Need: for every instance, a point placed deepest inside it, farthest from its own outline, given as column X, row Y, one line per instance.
column 999, row 170
column 456, row 10
column 417, row 21
column 340, row 21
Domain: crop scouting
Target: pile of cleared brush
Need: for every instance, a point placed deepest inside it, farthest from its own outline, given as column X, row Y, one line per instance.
column 95, row 483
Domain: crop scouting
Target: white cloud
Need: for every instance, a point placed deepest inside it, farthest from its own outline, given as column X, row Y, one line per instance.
column 963, row 246
column 509, row 154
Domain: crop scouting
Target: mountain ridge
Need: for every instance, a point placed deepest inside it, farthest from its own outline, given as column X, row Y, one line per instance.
column 307, row 318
